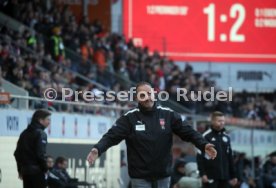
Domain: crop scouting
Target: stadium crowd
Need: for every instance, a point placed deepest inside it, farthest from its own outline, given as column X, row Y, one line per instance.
column 103, row 54
column 264, row 175
column 28, row 66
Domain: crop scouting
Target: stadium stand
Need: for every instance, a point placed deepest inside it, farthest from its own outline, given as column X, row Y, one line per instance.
column 101, row 54
column 93, row 59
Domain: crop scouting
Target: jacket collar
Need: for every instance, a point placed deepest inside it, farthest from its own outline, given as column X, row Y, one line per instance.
column 220, row 131
column 36, row 125
column 147, row 111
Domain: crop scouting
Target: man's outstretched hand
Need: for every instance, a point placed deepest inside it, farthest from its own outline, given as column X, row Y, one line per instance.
column 92, row 156
column 210, row 151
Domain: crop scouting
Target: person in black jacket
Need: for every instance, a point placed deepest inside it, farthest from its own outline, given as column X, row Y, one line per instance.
column 269, row 171
column 30, row 153
column 218, row 173
column 148, row 131
column 178, row 171
column 59, row 177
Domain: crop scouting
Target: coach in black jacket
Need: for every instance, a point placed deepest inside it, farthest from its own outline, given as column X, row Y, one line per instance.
column 217, row 173
column 148, row 132
column 30, row 153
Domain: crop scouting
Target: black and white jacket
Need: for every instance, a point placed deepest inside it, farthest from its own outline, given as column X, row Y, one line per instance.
column 222, row 167
column 149, row 136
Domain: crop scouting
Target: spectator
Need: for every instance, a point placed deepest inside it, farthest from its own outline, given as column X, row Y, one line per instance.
column 56, row 45
column 87, row 51
column 52, row 180
column 269, row 170
column 178, row 171
column 50, row 162
column 191, row 178
column 60, row 172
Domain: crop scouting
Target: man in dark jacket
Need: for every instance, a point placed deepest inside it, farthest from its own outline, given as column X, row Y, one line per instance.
column 59, row 177
column 178, row 171
column 30, row 153
column 269, row 170
column 148, row 131
column 53, row 180
column 218, row 173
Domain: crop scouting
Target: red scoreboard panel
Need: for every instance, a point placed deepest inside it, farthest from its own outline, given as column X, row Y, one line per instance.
column 204, row 30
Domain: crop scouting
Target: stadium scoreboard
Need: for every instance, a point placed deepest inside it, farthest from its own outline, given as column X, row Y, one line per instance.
column 204, row 30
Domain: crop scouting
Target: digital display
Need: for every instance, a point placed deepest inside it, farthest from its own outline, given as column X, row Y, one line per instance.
column 204, row 30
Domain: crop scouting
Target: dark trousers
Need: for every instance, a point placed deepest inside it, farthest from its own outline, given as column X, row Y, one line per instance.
column 217, row 184
column 34, row 181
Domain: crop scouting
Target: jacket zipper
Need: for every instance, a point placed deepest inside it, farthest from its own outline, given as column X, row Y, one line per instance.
column 221, row 154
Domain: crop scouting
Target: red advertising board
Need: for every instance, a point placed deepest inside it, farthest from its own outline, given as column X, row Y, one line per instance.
column 204, row 30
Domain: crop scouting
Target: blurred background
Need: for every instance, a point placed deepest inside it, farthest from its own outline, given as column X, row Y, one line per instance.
column 102, row 45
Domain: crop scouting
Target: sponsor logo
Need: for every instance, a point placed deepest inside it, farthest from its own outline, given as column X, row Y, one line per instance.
column 12, row 123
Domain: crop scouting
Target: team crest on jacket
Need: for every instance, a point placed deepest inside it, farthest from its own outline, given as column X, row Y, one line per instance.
column 162, row 123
